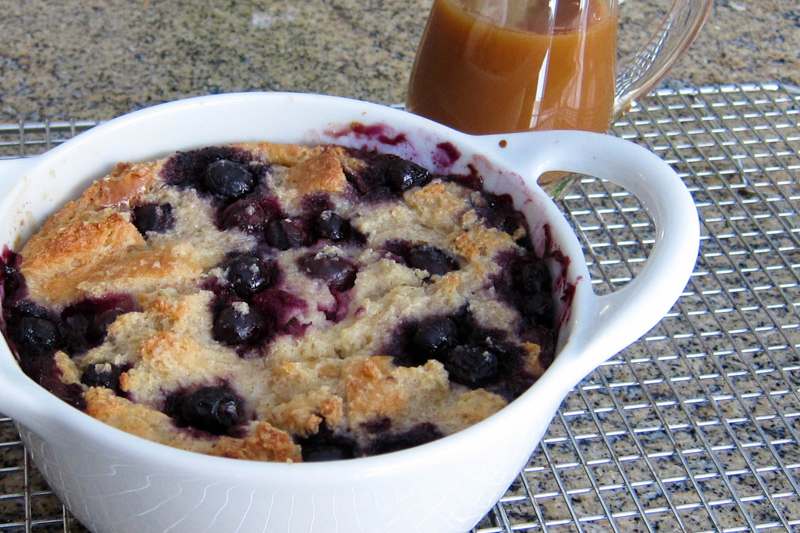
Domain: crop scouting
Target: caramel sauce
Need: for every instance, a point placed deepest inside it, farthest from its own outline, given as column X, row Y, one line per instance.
column 542, row 70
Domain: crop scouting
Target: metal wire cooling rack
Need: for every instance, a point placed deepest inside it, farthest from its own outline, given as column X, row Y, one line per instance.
column 694, row 428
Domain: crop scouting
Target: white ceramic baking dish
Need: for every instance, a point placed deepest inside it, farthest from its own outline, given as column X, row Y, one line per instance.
column 114, row 482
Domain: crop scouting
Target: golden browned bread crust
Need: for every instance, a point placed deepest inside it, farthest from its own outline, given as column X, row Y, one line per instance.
column 263, row 443
column 321, row 173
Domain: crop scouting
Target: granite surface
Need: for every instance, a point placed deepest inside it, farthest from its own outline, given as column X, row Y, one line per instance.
column 96, row 59
column 652, row 441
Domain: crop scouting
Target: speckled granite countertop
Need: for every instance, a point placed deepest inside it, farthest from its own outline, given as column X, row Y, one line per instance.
column 96, row 59
column 694, row 428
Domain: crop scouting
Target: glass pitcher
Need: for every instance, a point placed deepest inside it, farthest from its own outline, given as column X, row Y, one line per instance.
column 500, row 66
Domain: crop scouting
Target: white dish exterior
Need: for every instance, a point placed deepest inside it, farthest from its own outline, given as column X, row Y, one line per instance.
column 114, row 482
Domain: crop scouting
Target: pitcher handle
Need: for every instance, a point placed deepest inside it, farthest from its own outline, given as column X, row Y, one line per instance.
column 642, row 72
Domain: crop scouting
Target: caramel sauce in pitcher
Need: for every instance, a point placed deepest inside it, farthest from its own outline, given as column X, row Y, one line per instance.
column 540, row 72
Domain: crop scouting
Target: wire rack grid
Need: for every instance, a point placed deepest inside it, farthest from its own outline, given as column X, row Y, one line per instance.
column 694, row 428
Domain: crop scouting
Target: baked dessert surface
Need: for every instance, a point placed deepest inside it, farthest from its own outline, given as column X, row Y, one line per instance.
column 282, row 303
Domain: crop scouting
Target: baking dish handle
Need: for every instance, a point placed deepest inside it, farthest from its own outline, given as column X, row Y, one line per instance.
column 630, row 312
column 619, row 318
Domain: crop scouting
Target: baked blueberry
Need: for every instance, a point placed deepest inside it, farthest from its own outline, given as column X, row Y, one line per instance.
column 83, row 329
column 102, row 375
column 432, row 259
column 386, row 176
column 402, row 174
column 325, row 446
column 76, row 328
column 432, row 338
column 247, row 275
column 330, row 225
column 539, row 308
column 330, row 451
column 417, row 435
column 188, row 169
column 215, row 409
column 397, row 250
column 84, row 325
column 286, row 233
column 228, row 179
column 378, row 425
column 11, row 279
column 246, row 215
column 535, row 278
column 36, row 336
column 153, row 217
column 339, row 273
column 237, row 324
column 472, row 366
column 497, row 210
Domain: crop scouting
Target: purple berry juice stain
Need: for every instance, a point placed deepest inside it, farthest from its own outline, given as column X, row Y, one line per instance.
column 445, row 155
column 382, row 133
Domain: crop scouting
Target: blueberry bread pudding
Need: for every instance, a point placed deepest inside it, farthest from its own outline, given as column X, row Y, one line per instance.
column 282, row 303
